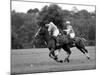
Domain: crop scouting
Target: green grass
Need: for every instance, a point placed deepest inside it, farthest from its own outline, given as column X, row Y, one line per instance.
column 37, row 60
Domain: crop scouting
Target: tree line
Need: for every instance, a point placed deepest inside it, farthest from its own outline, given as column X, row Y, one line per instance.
column 25, row 25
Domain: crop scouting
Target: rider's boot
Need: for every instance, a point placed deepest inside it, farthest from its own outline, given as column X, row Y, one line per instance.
column 73, row 41
column 56, row 40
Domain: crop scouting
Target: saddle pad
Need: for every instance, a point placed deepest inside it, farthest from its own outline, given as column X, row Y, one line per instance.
column 62, row 39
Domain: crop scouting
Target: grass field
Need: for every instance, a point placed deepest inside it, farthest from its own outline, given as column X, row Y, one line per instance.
column 37, row 60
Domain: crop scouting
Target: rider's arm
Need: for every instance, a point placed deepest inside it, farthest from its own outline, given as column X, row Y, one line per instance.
column 67, row 30
column 49, row 30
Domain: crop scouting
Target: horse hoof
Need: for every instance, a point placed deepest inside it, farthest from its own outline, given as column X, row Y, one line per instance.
column 88, row 58
column 68, row 60
column 61, row 61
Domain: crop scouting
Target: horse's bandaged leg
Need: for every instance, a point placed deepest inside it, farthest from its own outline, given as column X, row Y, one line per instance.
column 56, row 52
column 87, row 55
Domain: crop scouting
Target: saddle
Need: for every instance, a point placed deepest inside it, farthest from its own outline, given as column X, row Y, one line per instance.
column 62, row 39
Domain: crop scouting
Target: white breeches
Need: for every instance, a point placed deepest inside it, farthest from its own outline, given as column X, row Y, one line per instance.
column 56, row 33
column 72, row 35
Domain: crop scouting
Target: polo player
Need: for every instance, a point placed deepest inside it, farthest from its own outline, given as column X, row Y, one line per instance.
column 52, row 28
column 54, row 31
column 69, row 30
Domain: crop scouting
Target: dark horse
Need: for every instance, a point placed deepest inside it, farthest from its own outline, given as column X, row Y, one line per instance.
column 51, row 44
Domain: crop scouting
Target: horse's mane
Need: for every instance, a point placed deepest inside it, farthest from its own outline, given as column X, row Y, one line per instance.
column 45, row 32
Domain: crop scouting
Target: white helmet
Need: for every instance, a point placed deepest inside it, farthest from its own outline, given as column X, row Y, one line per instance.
column 67, row 22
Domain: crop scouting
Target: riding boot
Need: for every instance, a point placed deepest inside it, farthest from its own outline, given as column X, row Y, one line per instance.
column 73, row 41
column 56, row 40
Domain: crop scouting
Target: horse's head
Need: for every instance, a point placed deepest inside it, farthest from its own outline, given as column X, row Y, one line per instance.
column 42, row 32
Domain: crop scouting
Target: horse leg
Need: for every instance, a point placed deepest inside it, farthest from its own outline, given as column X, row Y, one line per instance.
column 84, row 51
column 81, row 46
column 50, row 55
column 54, row 56
column 57, row 52
column 67, row 50
column 67, row 58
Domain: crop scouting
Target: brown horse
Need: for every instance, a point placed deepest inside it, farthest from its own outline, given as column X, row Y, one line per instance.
column 51, row 44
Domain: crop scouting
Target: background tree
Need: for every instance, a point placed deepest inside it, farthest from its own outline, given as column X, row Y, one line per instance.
column 25, row 25
column 51, row 13
column 33, row 11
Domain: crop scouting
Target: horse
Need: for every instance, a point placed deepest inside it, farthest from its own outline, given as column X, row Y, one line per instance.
column 79, row 43
column 51, row 45
column 50, row 42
